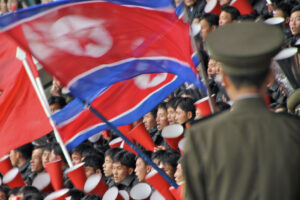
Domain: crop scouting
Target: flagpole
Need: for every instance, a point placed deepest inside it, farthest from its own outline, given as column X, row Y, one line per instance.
column 202, row 69
column 135, row 148
column 21, row 55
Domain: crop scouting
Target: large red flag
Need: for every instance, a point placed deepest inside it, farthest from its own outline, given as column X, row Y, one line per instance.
column 22, row 118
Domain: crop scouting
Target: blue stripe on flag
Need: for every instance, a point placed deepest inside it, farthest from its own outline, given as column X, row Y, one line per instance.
column 134, row 115
column 91, row 85
column 179, row 10
column 195, row 59
column 72, row 109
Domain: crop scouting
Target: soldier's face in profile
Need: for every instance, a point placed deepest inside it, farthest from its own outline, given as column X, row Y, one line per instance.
column 295, row 23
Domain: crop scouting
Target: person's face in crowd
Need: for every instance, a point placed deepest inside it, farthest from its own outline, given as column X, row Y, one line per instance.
column 2, row 196
column 270, row 7
column 178, row 174
column 36, row 160
column 45, row 157
column 54, row 107
column 108, row 166
column 149, row 121
column 205, row 29
column 196, row 20
column 156, row 161
column 211, row 69
column 225, row 18
column 224, row 2
column 13, row 155
column 12, row 197
column 161, row 119
column 90, row 171
column 278, row 13
column 3, row 7
column 141, row 169
column 182, row 116
column 214, row 68
column 168, row 169
column 76, row 158
column 20, row 195
column 189, row 3
column 171, row 115
column 53, row 157
column 120, row 172
column 198, row 114
column 295, row 23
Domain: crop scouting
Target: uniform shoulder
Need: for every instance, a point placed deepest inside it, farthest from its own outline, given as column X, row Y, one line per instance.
column 214, row 116
column 288, row 115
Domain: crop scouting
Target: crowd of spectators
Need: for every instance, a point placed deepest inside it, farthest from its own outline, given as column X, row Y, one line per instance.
column 121, row 168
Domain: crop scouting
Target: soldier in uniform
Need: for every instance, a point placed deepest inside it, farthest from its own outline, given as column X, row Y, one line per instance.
column 293, row 102
column 247, row 152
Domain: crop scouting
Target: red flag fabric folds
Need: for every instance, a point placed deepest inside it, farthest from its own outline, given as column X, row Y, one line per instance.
column 22, row 118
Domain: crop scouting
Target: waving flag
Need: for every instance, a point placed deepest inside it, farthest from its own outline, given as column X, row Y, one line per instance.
column 122, row 103
column 90, row 45
column 99, row 48
column 22, row 118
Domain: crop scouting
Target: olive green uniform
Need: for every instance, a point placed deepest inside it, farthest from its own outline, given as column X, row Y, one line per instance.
column 247, row 153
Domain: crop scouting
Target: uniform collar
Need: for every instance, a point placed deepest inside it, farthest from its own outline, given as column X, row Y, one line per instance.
column 249, row 104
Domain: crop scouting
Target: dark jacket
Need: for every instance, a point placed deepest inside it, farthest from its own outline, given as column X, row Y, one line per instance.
column 127, row 183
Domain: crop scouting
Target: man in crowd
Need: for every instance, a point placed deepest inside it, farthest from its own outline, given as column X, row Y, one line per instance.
column 123, row 170
column 228, row 15
column 20, row 158
column 142, row 168
column 108, row 165
column 93, row 165
column 248, row 152
column 36, row 162
column 208, row 22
